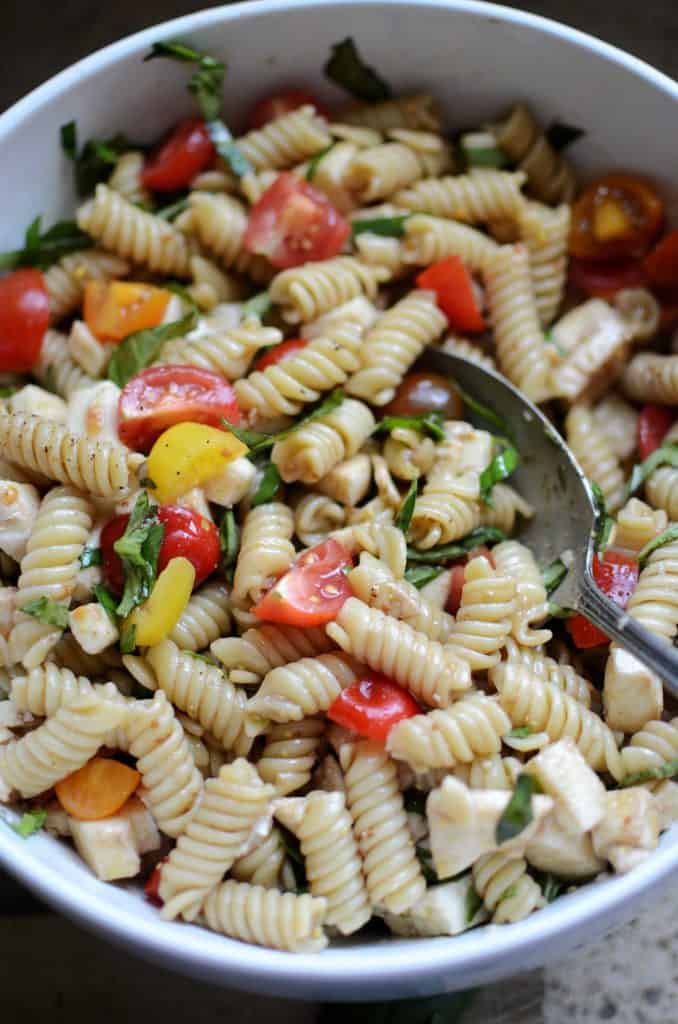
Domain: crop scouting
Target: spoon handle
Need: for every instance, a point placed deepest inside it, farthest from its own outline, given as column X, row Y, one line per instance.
column 655, row 652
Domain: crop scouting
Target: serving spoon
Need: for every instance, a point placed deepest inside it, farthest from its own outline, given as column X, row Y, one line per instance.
column 566, row 518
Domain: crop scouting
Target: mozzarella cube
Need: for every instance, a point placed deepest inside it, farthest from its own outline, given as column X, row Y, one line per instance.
column 92, row 627
column 19, row 504
column 34, row 401
column 232, row 484
column 563, row 853
column 195, row 500
column 631, row 823
column 108, row 847
column 94, row 412
column 349, row 481
column 443, row 910
column 563, row 774
column 142, row 823
column 632, row 694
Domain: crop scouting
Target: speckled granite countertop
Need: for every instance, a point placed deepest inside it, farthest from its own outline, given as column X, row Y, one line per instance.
column 629, row 978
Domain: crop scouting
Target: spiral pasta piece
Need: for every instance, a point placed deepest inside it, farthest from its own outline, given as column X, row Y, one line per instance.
column 55, row 366
column 506, row 889
column 471, row 728
column 393, row 344
column 284, row 388
column 224, row 350
column 216, row 835
column 204, row 619
column 429, row 239
column 417, row 111
column 172, row 783
column 468, row 350
column 651, row 747
column 385, row 542
column 545, row 233
column 307, row 292
column 637, row 524
column 285, row 141
column 266, row 551
column 302, row 688
column 263, row 864
column 434, row 673
column 392, row 873
column 517, row 561
column 266, row 917
column 315, row 517
column 539, row 704
column 486, row 614
column 590, row 448
column 565, row 677
column 126, row 178
column 640, row 311
column 219, row 223
column 290, row 754
column 661, row 489
column 202, row 692
column 474, row 198
column 374, row 583
column 654, row 602
column 248, row 658
column 408, row 453
column 377, row 172
column 494, row 772
column 309, row 453
column 59, row 746
column 102, row 468
column 550, row 177
column 47, row 688
column 652, row 378
column 507, row 505
column 134, row 234
column 65, row 281
column 521, row 350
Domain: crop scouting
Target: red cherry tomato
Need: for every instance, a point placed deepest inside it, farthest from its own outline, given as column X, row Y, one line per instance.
column 279, row 353
column 24, row 316
column 152, row 886
column 616, row 575
column 187, row 534
column 453, row 285
column 187, row 151
column 456, row 587
column 270, row 108
column 161, row 396
column 661, row 263
column 653, row 425
column 615, row 218
column 312, row 592
column 293, row 223
column 425, row 392
column 604, row 280
column 372, row 706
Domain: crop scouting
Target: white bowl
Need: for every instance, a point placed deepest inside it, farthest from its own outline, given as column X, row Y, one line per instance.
column 477, row 58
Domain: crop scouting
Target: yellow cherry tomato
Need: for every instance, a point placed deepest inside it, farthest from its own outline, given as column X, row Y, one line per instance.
column 187, row 455
column 159, row 614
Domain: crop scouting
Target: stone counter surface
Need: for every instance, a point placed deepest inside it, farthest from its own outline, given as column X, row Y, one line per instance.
column 53, row 972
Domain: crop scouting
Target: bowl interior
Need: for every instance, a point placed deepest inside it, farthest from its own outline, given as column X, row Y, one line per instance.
column 477, row 59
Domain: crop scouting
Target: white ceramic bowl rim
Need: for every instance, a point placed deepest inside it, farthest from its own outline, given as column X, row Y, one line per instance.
column 343, row 972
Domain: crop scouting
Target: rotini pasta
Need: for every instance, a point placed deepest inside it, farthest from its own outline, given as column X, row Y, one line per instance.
column 310, row 453
column 475, row 198
column 652, row 378
column 373, row 583
column 487, row 613
column 302, row 688
column 266, row 917
column 428, row 239
column 305, row 293
column 248, row 658
column 531, row 607
column 418, row 112
column 549, row 176
column 266, row 551
column 290, row 754
column 545, row 233
column 204, row 619
column 222, row 349
column 590, row 448
column 508, row 892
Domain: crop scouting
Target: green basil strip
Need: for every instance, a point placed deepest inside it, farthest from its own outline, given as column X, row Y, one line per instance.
column 561, row 135
column 665, row 455
column 97, row 158
column 315, row 160
column 481, row 150
column 68, row 134
column 128, row 639
column 501, row 467
column 483, row 411
column 415, row 801
column 29, row 823
column 324, row 408
column 604, row 522
column 521, row 732
column 388, row 227
column 227, row 148
column 140, row 349
column 429, row 423
column 258, row 305
column 551, row 887
column 138, row 549
column 420, row 575
column 348, row 70
column 663, row 771
column 229, row 541
column 42, row 250
column 557, row 611
column 256, row 441
column 554, row 574
column 107, row 601
column 268, row 487
column 667, row 537
column 90, row 556
column 52, row 613
column 518, row 812
column 406, row 510
column 482, row 536
column 174, row 209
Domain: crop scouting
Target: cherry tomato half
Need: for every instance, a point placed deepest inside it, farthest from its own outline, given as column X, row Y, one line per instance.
column 312, row 592
column 616, row 575
column 453, row 285
column 372, row 706
column 279, row 353
column 456, row 587
column 187, row 151
column 187, row 534
column 661, row 263
column 653, row 425
column 270, row 108
column 24, row 316
column 425, row 392
column 604, row 280
column 617, row 217
column 114, row 309
column 161, row 396
column 293, row 223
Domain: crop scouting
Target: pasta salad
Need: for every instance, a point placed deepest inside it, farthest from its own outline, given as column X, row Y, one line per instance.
column 269, row 639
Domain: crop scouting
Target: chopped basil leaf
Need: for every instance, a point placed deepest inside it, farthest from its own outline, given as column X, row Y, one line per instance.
column 52, row 613
column 174, row 209
column 138, row 549
column 42, row 250
column 315, row 160
column 561, row 135
column 406, row 510
column 521, row 732
column 347, row 68
column 667, row 537
column 415, row 801
column 425, row 858
column 482, row 410
column 258, row 305
column 662, row 771
column 518, row 812
column 479, row 537
column 128, row 639
column 229, row 540
column 665, row 455
column 207, row 658
column 107, row 601
column 7, row 390
column 90, row 556
column 324, row 408
column 474, row 902
column 501, row 467
column 93, row 164
column 175, row 50
column 179, row 289
column 387, row 227
column 269, row 486
column 420, row 575
column 69, row 139
column 604, row 523
column 146, row 482
column 427, row 423
column 227, row 148
column 143, row 347
column 554, row 574
column 256, row 441
column 29, row 823
column 551, row 887
column 557, row 611
column 481, row 150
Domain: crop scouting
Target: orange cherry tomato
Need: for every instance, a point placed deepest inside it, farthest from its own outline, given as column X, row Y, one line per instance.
column 616, row 575
column 453, row 285
column 114, row 309
column 98, row 789
column 662, row 263
column 372, row 706
column 616, row 217
column 312, row 592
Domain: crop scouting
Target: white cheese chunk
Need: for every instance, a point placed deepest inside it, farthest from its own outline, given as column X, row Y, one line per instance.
column 108, row 847
column 19, row 504
column 563, row 774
